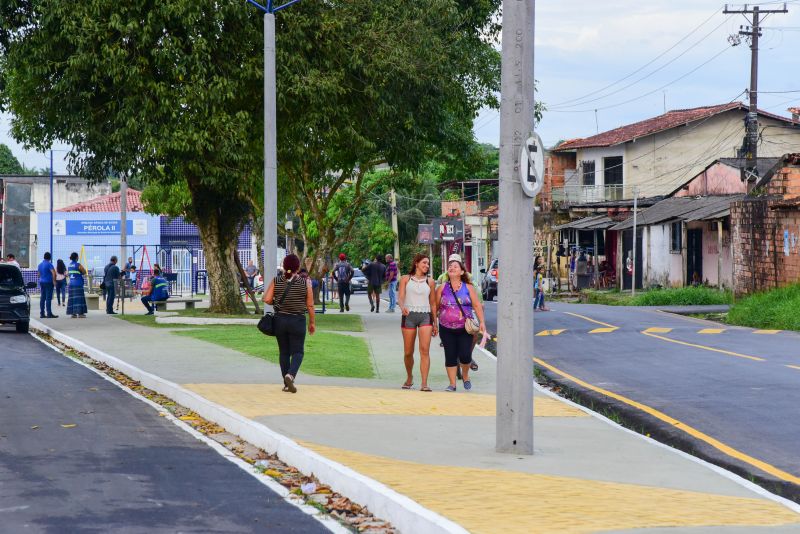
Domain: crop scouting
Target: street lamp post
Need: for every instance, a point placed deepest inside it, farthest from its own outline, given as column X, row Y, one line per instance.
column 270, row 140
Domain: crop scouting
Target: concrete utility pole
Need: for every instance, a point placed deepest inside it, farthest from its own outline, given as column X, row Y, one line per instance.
column 123, row 233
column 270, row 141
column 515, row 316
column 635, row 206
column 393, row 197
column 751, row 125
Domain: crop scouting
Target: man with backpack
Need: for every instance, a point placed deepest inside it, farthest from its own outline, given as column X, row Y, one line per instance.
column 342, row 273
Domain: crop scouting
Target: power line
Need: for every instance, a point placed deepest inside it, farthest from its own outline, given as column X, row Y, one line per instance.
column 709, row 60
column 640, row 68
column 665, row 65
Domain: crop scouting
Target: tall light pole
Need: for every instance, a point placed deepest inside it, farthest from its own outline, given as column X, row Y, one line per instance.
column 270, row 140
column 51, row 202
column 515, row 315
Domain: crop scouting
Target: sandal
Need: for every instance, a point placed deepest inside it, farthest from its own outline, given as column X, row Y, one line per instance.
column 407, row 385
column 473, row 365
column 425, row 388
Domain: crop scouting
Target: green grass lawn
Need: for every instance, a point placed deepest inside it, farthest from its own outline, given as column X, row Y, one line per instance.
column 775, row 310
column 326, row 354
column 679, row 296
column 329, row 322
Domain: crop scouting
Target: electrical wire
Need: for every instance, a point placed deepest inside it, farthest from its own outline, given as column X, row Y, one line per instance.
column 698, row 67
column 555, row 107
column 574, row 100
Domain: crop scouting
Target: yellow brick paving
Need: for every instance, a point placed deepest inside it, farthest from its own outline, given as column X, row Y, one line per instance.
column 491, row 501
column 259, row 400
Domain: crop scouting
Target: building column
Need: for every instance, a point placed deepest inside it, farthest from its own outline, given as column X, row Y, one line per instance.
column 719, row 254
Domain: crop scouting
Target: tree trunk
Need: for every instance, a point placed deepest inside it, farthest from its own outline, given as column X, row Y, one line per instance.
column 220, row 216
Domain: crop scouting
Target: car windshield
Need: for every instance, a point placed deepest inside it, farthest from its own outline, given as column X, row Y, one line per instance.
column 357, row 272
column 10, row 276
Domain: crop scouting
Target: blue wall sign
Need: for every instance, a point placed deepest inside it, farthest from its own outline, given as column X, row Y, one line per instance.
column 97, row 227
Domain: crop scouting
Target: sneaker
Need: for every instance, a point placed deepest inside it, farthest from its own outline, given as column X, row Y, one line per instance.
column 347, row 307
column 372, row 309
column 473, row 366
column 450, row 388
column 42, row 317
column 51, row 316
column 288, row 380
column 467, row 384
column 341, row 310
column 74, row 316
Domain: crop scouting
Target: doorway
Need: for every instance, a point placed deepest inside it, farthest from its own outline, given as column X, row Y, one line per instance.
column 694, row 256
column 627, row 258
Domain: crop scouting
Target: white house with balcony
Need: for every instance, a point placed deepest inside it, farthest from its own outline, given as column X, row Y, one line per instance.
column 654, row 157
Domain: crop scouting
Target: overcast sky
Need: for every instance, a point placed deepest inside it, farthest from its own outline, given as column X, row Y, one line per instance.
column 583, row 46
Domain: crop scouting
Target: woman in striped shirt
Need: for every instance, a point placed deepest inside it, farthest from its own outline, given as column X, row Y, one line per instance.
column 295, row 299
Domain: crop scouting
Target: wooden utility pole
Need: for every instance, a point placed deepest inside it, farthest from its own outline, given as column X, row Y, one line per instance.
column 393, row 196
column 514, row 431
column 750, row 143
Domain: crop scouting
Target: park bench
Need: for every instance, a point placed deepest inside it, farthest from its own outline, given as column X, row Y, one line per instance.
column 188, row 303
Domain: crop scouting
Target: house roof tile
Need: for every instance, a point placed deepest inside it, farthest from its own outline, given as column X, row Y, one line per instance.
column 108, row 203
column 668, row 120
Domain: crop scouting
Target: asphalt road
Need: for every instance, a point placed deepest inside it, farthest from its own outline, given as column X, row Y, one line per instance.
column 122, row 468
column 717, row 386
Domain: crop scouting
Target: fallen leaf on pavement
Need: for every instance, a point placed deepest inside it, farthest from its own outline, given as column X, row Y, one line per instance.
column 69, row 426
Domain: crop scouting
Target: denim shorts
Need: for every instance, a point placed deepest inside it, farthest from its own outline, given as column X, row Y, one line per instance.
column 415, row 320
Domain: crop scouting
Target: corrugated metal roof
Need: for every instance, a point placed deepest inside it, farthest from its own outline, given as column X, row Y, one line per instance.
column 596, row 222
column 682, row 209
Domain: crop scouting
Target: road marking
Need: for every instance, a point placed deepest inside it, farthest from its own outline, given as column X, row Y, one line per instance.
column 730, row 451
column 550, row 332
column 794, row 367
column 592, row 320
column 712, row 349
column 766, row 331
column 603, row 330
column 711, row 331
column 656, row 330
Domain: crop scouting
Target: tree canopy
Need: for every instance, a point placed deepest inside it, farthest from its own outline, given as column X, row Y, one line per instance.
column 171, row 92
column 8, row 163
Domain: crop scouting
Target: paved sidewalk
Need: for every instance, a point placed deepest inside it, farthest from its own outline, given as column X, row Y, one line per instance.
column 438, row 448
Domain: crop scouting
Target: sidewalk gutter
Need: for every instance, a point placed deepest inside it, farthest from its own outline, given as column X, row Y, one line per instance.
column 404, row 513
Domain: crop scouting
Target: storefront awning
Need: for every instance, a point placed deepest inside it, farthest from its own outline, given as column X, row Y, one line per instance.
column 596, row 222
column 682, row 209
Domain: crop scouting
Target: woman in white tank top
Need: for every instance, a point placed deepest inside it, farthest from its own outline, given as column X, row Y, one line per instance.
column 416, row 297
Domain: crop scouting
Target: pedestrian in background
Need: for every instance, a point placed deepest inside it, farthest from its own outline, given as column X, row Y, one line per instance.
column 375, row 273
column 295, row 300
column 76, row 306
column 61, row 282
column 112, row 274
column 538, row 289
column 10, row 258
column 391, row 280
column 47, row 278
column 458, row 301
column 342, row 274
column 251, row 271
column 417, row 302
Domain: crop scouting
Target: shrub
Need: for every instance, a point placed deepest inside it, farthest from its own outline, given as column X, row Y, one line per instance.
column 775, row 309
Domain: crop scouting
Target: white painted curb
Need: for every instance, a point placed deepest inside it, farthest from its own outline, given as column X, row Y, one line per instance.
column 176, row 319
column 405, row 514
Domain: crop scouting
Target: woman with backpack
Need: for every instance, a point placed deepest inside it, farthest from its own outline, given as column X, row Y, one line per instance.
column 294, row 299
column 416, row 298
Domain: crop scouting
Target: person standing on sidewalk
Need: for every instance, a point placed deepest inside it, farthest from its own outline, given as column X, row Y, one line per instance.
column 343, row 273
column 375, row 273
column 391, row 280
column 47, row 278
column 295, row 300
column 76, row 306
column 457, row 300
column 417, row 302
column 61, row 282
column 109, row 281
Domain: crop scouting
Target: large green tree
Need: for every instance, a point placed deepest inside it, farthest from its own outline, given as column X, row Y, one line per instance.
column 171, row 91
column 167, row 90
column 368, row 83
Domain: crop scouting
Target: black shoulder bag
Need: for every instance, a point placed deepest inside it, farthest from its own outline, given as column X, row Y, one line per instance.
column 267, row 322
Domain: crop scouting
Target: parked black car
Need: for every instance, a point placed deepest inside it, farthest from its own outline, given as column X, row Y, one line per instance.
column 15, row 304
column 489, row 283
